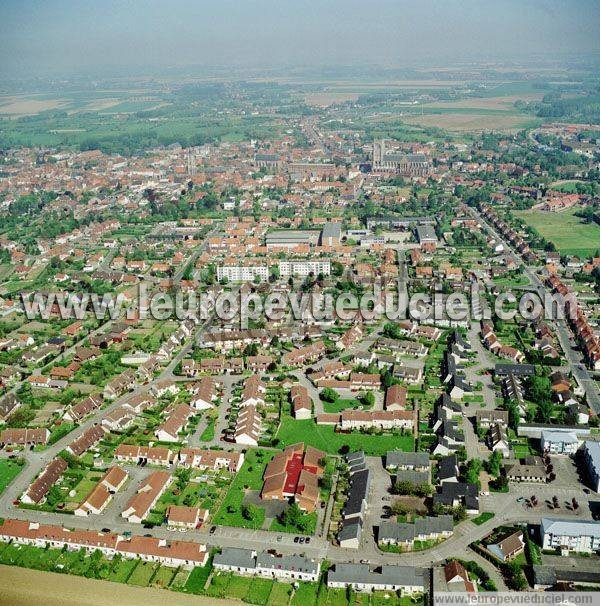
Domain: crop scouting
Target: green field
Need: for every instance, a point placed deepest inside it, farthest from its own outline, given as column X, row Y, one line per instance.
column 326, row 439
column 8, row 472
column 248, row 478
column 569, row 233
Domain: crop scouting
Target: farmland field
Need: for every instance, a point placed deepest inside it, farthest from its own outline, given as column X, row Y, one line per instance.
column 569, row 233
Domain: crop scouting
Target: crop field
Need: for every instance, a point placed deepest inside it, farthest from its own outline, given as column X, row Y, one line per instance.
column 570, row 234
column 467, row 119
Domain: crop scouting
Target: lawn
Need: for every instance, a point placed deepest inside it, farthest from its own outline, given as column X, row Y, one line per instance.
column 326, row 439
column 209, row 431
column 341, row 404
column 311, row 525
column 305, row 595
column 483, row 518
column 121, row 569
column 569, row 233
column 259, row 591
column 142, row 574
column 197, row 580
column 280, row 594
column 520, row 450
column 163, row 576
column 9, row 470
column 249, row 477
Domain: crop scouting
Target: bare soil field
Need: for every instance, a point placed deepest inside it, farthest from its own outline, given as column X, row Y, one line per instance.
column 462, row 122
column 493, row 103
column 329, row 98
column 23, row 587
column 26, row 106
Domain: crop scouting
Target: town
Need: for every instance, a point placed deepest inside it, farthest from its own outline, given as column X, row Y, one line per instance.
column 305, row 459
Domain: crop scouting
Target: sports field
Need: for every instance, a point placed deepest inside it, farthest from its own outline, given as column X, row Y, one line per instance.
column 570, row 234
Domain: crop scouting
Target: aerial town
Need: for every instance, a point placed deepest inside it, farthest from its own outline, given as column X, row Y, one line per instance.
column 303, row 456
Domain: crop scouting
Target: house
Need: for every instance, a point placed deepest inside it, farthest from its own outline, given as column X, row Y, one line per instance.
column 100, row 496
column 119, row 419
column 579, row 536
column 498, row 440
column 559, row 442
column 357, row 496
column 453, row 494
column 447, row 469
column 86, row 440
column 154, row 455
column 395, row 398
column 8, row 405
column 40, row 487
column 350, row 533
column 162, row 388
column 211, row 459
column 294, row 474
column 361, row 577
column 457, row 578
column 302, row 403
column 181, row 516
column 24, row 437
column 267, row 564
column 487, row 418
column 81, row 410
column 203, row 393
column 423, row 529
column 253, row 392
column 150, row 490
column 248, row 426
column 508, row 548
column 169, row 430
column 382, row 419
column 532, row 469
column 407, row 461
column 119, row 385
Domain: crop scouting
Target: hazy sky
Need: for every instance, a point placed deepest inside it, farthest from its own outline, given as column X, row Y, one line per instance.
column 53, row 36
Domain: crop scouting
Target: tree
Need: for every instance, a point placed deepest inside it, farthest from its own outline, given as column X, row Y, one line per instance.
column 472, row 471
column 183, row 476
column 294, row 517
column 493, row 465
column 398, row 508
column 250, row 512
column 329, row 395
column 368, row 398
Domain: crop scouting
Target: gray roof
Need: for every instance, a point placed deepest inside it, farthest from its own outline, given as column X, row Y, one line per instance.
column 236, row 556
column 351, row 529
column 349, row 573
column 331, row 230
column 570, row 528
column 544, row 575
column 297, row 563
column 564, row 437
column 402, row 532
column 398, row 458
column 426, row 232
column 519, row 370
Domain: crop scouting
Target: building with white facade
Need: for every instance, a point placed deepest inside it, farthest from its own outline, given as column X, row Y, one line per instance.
column 305, row 268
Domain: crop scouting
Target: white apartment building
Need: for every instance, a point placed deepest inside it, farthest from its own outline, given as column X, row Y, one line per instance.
column 242, row 273
column 580, row 536
column 304, row 268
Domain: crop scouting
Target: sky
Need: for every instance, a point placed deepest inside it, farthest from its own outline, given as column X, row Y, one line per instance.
column 51, row 37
